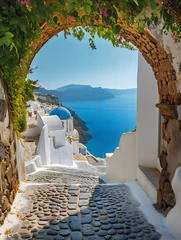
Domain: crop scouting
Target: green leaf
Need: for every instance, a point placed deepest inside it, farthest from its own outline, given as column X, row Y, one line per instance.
column 117, row 29
column 64, row 13
column 4, row 28
column 62, row 2
column 41, row 5
column 92, row 22
column 136, row 1
column 153, row 4
column 89, row 2
column 23, row 27
column 71, row 1
column 7, row 41
column 2, row 42
column 75, row 14
column 13, row 21
column 11, row 47
column 55, row 19
column 71, row 6
column 9, row 35
column 87, row 9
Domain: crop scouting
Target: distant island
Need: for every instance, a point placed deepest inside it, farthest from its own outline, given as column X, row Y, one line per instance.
column 77, row 92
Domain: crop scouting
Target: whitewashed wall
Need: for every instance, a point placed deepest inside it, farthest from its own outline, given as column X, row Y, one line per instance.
column 147, row 115
column 122, row 165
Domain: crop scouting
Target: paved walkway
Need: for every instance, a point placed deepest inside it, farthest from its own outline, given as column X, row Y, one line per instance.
column 61, row 203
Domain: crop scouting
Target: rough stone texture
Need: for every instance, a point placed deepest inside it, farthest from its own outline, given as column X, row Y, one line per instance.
column 165, row 197
column 170, row 159
column 8, row 167
column 2, row 152
column 3, row 109
column 168, row 111
column 163, row 160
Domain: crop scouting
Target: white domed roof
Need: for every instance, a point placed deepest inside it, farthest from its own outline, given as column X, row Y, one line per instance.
column 75, row 134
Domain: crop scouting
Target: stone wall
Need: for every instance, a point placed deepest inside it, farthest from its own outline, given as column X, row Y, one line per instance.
column 169, row 86
column 9, row 181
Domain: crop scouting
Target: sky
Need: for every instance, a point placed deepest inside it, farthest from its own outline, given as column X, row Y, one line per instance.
column 65, row 61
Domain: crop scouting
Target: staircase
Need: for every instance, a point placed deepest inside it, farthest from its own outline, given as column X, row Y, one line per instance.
column 57, row 203
column 148, row 178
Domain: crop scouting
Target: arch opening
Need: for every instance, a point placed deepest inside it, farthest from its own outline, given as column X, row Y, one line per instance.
column 154, row 54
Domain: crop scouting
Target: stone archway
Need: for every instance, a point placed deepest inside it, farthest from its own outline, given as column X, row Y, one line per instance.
column 156, row 56
column 151, row 49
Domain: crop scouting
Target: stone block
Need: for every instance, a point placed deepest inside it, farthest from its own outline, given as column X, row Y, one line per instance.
column 159, row 198
column 5, row 204
column 2, row 152
column 162, row 181
column 168, row 111
column 168, row 195
column 3, row 109
column 163, row 160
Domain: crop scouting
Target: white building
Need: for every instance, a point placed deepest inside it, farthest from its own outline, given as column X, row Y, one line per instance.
column 53, row 147
column 33, row 107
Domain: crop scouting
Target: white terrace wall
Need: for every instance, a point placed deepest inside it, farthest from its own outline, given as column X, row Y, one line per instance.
column 121, row 166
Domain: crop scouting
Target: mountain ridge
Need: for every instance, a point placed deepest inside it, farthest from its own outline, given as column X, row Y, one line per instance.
column 79, row 92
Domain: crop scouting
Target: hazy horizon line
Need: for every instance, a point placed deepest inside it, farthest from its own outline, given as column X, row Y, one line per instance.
column 91, row 86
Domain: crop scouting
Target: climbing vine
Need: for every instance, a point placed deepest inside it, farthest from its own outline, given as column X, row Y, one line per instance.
column 21, row 22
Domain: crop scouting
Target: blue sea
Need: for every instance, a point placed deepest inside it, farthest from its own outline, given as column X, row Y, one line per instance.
column 107, row 120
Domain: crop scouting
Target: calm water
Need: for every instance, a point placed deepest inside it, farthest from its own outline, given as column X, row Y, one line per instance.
column 106, row 120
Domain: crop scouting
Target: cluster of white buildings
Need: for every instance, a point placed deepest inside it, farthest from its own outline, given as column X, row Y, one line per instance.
column 58, row 141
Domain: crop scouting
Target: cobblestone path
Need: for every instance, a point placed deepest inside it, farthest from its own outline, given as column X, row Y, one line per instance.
column 58, row 205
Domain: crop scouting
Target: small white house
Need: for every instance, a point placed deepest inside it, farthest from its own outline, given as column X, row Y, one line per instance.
column 53, row 146
column 33, row 107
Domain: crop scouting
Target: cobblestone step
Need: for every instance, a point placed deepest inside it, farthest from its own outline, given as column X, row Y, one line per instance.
column 77, row 211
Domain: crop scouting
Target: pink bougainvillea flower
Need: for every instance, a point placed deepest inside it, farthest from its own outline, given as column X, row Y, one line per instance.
column 72, row 18
column 100, row 11
column 105, row 12
column 63, row 17
column 55, row 14
column 25, row 2
column 175, row 36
